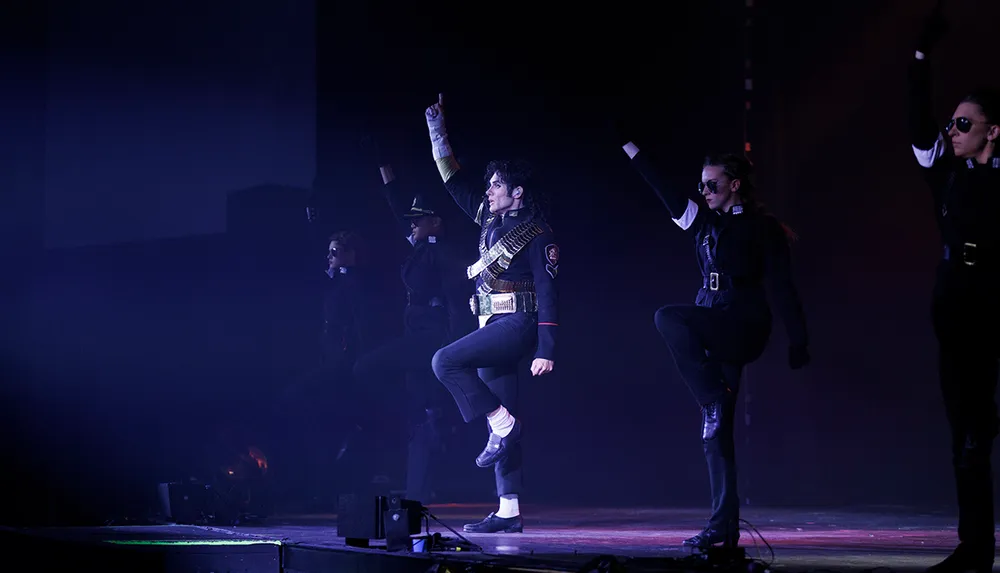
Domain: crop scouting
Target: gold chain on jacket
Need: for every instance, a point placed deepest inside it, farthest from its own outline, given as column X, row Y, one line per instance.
column 495, row 260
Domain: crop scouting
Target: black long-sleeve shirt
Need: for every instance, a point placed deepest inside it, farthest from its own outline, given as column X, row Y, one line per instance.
column 537, row 263
column 966, row 193
column 747, row 248
column 345, row 309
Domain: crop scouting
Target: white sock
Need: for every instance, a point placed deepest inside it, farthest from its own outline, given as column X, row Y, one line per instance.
column 508, row 506
column 501, row 422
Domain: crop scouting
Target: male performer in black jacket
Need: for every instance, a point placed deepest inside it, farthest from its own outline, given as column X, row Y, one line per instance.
column 515, row 301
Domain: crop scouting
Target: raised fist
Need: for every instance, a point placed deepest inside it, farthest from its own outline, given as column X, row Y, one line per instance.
column 935, row 26
column 435, row 113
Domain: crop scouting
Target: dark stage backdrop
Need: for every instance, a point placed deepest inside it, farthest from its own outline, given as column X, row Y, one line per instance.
column 154, row 111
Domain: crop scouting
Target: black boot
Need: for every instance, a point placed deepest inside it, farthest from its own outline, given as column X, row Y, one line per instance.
column 726, row 534
column 711, row 419
column 720, row 456
column 494, row 524
column 974, row 483
column 966, row 558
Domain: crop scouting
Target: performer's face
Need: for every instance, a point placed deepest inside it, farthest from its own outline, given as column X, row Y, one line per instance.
column 970, row 131
column 338, row 257
column 426, row 226
column 718, row 189
column 501, row 198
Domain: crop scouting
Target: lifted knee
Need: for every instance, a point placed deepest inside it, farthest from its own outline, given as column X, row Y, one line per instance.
column 441, row 362
column 669, row 321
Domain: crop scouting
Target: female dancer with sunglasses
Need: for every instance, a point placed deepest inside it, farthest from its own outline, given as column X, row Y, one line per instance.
column 965, row 184
column 739, row 248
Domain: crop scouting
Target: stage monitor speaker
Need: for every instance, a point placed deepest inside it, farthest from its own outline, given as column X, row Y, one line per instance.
column 360, row 518
column 402, row 519
column 187, row 503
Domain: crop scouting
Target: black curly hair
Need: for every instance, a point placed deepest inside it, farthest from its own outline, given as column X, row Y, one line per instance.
column 348, row 241
column 519, row 173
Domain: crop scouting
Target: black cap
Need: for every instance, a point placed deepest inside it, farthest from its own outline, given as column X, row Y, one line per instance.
column 420, row 208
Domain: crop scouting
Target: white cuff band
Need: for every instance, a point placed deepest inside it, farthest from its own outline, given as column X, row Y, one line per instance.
column 631, row 149
column 441, row 148
column 387, row 176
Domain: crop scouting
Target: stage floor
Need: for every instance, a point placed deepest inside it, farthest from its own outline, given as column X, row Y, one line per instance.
column 802, row 540
column 861, row 538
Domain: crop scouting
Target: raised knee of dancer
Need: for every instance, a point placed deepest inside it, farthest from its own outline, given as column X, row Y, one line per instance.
column 669, row 321
column 442, row 362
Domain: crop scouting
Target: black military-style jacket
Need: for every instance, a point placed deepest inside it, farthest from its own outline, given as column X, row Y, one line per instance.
column 966, row 198
column 535, row 266
column 433, row 273
column 742, row 254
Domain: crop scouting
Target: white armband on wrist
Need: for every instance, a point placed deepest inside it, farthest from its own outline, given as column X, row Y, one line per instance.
column 440, row 146
column 387, row 176
column 631, row 149
column 919, row 55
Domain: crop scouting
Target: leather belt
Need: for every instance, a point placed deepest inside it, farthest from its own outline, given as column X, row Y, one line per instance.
column 717, row 281
column 970, row 254
column 503, row 303
column 504, row 285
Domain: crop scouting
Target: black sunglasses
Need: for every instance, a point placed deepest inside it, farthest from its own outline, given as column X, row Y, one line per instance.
column 712, row 185
column 963, row 124
column 333, row 253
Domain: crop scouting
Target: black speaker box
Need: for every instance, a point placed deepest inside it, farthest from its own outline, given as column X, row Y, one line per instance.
column 360, row 518
column 188, row 503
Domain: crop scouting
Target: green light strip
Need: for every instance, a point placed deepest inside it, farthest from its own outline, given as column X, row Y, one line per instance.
column 151, row 542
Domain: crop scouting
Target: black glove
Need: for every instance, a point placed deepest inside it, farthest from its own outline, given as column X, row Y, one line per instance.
column 798, row 356
column 934, row 28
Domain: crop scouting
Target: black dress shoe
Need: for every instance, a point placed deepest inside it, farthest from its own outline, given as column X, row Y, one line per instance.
column 712, row 418
column 497, row 448
column 966, row 558
column 494, row 524
column 727, row 536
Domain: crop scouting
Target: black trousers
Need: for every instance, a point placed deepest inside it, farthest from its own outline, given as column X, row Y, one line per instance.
column 306, row 413
column 969, row 349
column 481, row 370
column 710, row 347
column 409, row 357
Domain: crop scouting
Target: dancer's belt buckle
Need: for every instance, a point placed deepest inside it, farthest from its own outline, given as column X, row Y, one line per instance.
column 969, row 254
column 503, row 303
column 713, row 281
